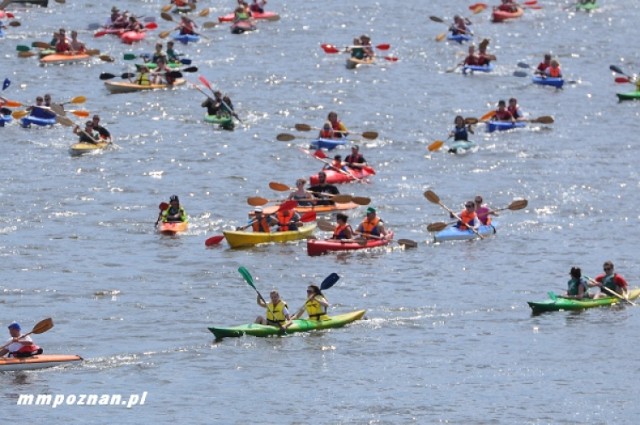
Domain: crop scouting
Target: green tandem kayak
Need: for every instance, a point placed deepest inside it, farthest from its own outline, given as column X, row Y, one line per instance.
column 629, row 96
column 572, row 304
column 298, row 325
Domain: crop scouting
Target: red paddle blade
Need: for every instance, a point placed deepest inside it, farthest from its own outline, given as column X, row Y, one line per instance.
column 10, row 15
column 214, row 240
column 531, row 2
column 391, row 58
column 204, row 81
column 319, row 154
column 383, row 46
column 622, row 80
column 151, row 26
column 163, row 206
column 288, row 205
column 100, row 34
column 308, row 217
column 330, row 49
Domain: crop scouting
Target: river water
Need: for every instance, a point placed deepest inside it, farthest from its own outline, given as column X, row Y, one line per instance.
column 449, row 337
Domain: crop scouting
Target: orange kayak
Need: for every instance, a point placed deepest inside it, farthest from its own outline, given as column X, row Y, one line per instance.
column 173, row 227
column 57, row 58
column 37, row 362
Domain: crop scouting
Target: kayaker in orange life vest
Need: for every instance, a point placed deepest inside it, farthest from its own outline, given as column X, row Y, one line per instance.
column 553, row 70
column 277, row 312
column 326, row 132
column 502, row 114
column 343, row 230
column 18, row 346
column 468, row 216
column 514, row 109
column 372, row 227
column 288, row 220
column 261, row 223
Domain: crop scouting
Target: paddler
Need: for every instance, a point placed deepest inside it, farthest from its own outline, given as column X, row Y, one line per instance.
column 343, row 230
column 174, row 212
column 611, row 280
column 468, row 217
column 316, row 305
column 339, row 129
column 542, row 66
column 460, row 130
column 260, row 223
column 17, row 345
column 372, row 227
column 508, row 6
column 502, row 114
column 76, row 46
column 553, row 70
column 186, row 26
column 257, row 6
column 277, row 312
column 103, row 132
column 483, row 211
column 88, row 135
column 355, row 158
column 577, row 286
column 459, row 26
column 514, row 109
column 322, row 189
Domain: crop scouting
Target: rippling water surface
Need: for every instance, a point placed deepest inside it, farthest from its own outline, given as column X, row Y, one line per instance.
column 449, row 336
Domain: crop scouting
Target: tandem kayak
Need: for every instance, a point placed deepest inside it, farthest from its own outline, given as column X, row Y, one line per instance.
column 347, row 176
column 57, row 58
column 587, row 7
column 319, row 209
column 328, row 144
column 298, row 325
column 41, row 361
column 634, row 95
column 504, row 125
column 561, row 303
column 462, row 147
column 83, row 148
column 127, row 87
column 500, row 15
column 548, row 81
column 171, row 228
column 470, row 69
column 353, row 63
column 241, row 27
column 39, row 116
column 269, row 16
column 130, row 37
column 186, row 38
column 323, row 246
column 452, row 233
column 459, row 38
column 239, row 238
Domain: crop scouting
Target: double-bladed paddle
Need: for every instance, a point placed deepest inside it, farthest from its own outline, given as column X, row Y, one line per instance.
column 39, row 328
column 207, row 84
column 433, row 197
column 108, row 76
column 614, row 293
column 367, row 134
column 339, row 198
column 327, row 226
column 327, row 283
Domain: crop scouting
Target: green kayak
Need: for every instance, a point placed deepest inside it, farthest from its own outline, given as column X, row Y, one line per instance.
column 572, row 304
column 224, row 121
column 151, row 66
column 629, row 96
column 587, row 7
column 298, row 325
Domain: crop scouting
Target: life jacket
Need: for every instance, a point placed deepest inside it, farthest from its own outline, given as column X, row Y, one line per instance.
column 515, row 112
column 275, row 313
column 460, row 133
column 171, row 211
column 610, row 282
column 62, row 46
column 284, row 220
column 316, row 311
column 467, row 218
column 472, row 60
column 326, row 134
column 357, row 53
column 574, row 286
column 261, row 225
column 370, row 227
column 26, row 351
column 502, row 116
column 339, row 232
column 241, row 16
column 483, row 215
column 180, row 3
column 143, row 79
column 553, row 72
column 542, row 66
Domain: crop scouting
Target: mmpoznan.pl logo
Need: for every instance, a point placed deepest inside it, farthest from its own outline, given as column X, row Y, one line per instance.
column 82, row 400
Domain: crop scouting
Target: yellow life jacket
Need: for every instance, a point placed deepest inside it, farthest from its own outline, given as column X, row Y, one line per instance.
column 275, row 313
column 143, row 79
column 316, row 311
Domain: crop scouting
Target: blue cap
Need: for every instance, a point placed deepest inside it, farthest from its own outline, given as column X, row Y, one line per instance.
column 15, row 325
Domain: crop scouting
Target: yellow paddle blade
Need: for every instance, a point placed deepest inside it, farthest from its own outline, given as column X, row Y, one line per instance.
column 164, row 34
column 203, row 13
column 487, row 116
column 435, row 145
column 441, row 36
column 166, row 8
column 19, row 114
column 78, row 99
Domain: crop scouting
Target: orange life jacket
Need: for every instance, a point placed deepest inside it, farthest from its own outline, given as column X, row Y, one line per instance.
column 554, row 72
column 261, row 225
column 339, row 233
column 326, row 134
column 284, row 218
column 370, row 227
column 467, row 218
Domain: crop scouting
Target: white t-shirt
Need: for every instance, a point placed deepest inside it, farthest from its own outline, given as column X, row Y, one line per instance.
column 15, row 346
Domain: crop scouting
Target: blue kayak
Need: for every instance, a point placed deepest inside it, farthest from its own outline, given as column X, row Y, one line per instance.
column 463, row 146
column 328, row 144
column 548, row 81
column 504, row 125
column 39, row 116
column 5, row 119
column 454, row 234
column 459, row 38
column 186, row 38
column 470, row 69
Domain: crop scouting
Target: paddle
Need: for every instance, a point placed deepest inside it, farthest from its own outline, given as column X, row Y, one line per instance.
column 432, row 197
column 204, row 13
column 330, row 227
column 623, row 80
column 249, row 279
column 371, row 135
column 514, row 206
column 339, row 199
column 12, row 104
column 552, row 295
column 520, row 74
column 617, row 70
column 80, row 113
column 39, row 328
column 435, row 145
column 26, row 54
column 545, row 119
column 327, row 283
column 166, row 16
column 76, row 100
column 166, row 8
column 204, row 81
column 108, row 76
column 331, row 48
column 163, row 206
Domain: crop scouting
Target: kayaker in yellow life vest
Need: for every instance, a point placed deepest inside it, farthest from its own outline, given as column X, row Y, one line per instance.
column 372, row 227
column 277, row 312
column 144, row 76
column 174, row 212
column 316, row 305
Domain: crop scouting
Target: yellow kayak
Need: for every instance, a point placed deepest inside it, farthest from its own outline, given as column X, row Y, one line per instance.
column 238, row 238
column 128, row 87
column 78, row 149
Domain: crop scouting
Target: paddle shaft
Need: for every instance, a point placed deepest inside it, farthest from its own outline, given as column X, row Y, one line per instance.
column 204, row 81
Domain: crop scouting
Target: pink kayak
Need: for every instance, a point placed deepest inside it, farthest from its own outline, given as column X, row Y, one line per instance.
column 129, row 37
column 319, row 246
column 270, row 16
column 107, row 31
column 351, row 174
column 501, row 15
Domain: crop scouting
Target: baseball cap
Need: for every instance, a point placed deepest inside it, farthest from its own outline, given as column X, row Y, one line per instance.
column 15, row 325
column 371, row 210
column 257, row 209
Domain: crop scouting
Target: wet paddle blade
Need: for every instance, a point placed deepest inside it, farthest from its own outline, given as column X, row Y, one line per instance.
column 487, row 116
column 19, row 114
column 436, row 19
column 622, row 80
column 209, row 24
column 552, row 295
column 14, row 24
column 203, row 13
column 436, row 227
column 523, row 65
column 326, row 226
column 22, row 48
column 519, row 74
column 432, row 197
column 106, row 58
column 166, row 8
column 342, row 199
column 441, row 36
column 280, row 187
column 214, row 240
column 42, row 326
column 383, row 46
column 163, row 206
column 25, row 54
column 247, row 276
column 518, row 205
column 76, row 100
column 80, row 113
column 361, row 200
column 166, row 16
column 543, row 120
column 329, row 281
column 303, row 127
column 257, row 201
column 408, row 243
column 284, row 137
column 435, row 145
column 13, row 104
column 66, row 121
column 370, row 135
column 164, row 34
column 471, row 121
column 106, row 76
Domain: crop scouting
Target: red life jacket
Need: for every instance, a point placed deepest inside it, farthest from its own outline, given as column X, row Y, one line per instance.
column 326, row 134
column 27, row 351
column 554, row 72
column 503, row 116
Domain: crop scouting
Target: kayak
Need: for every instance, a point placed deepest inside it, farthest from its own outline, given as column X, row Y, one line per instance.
column 349, row 175
column 224, row 121
column 46, row 52
column 151, row 66
column 587, row 7
column 353, row 63
column 319, row 209
column 39, row 116
column 109, row 30
column 78, row 149
column 504, row 125
column 171, row 228
column 186, row 38
column 41, row 361
column 271, row 16
column 241, row 27
column 629, row 96
column 323, row 246
column 298, row 325
column 561, row 303
column 56, row 58
column 548, row 81
column 130, row 37
column 470, row 69
column 463, row 146
column 328, row 144
column 459, row 38
column 501, row 15
column 452, row 233
column 127, row 87
column 239, row 238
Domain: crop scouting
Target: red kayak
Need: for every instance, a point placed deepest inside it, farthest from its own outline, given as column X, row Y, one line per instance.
column 500, row 15
column 130, row 37
column 319, row 246
column 270, row 16
column 350, row 175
